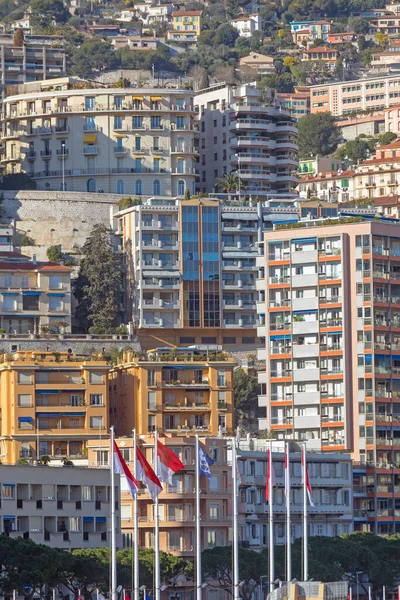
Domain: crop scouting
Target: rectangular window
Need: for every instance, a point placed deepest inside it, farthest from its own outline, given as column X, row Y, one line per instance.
column 151, row 401
column 55, row 303
column 24, row 400
column 96, row 399
column 96, row 422
column 151, row 423
column 96, row 377
column 8, row 491
column 9, row 303
column 221, row 378
column 74, row 523
column 211, row 538
column 55, row 282
column 24, row 377
column 87, row 492
column 151, row 377
column 30, row 302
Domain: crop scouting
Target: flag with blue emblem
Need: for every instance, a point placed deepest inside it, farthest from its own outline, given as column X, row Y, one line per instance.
column 205, row 463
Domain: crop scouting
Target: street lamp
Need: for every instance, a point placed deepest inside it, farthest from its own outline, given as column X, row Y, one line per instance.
column 261, row 594
column 357, row 574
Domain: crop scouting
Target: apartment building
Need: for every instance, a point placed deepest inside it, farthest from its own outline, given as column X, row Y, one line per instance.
column 176, row 391
column 35, row 297
column 249, row 136
column 326, row 54
column 192, row 267
column 298, row 101
column 371, row 93
column 302, row 31
column 262, row 64
column 48, row 506
column 330, row 186
column 331, row 327
column 177, row 501
column 331, row 479
column 186, row 26
column 247, row 24
column 51, row 404
column 38, row 58
column 138, row 142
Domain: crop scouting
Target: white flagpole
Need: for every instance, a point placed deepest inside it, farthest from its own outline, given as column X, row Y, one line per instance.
column 305, row 523
column 271, row 522
column 383, row 593
column 288, row 534
column 198, row 525
column 113, row 536
column 235, row 524
column 369, row 593
column 157, row 583
column 135, row 528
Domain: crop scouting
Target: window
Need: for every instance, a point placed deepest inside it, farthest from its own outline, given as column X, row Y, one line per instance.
column 120, row 186
column 87, row 492
column 8, row 491
column 55, row 303
column 222, row 422
column 96, row 400
column 151, row 377
column 151, row 423
column 96, row 422
column 221, row 378
column 180, row 122
column 24, row 377
column 42, row 377
column 156, row 187
column 9, row 303
column 117, row 122
column 151, row 401
column 24, row 400
column 214, row 511
column 91, row 185
column 211, row 538
column 214, row 483
column 30, row 302
column 138, row 187
column 181, row 187
column 74, row 523
column 96, row 377
column 137, row 122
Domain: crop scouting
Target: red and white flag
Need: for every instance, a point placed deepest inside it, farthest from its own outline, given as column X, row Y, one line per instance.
column 79, row 594
column 287, row 476
column 168, row 463
column 146, row 475
column 306, row 477
column 350, row 594
column 122, row 468
column 126, row 596
column 271, row 479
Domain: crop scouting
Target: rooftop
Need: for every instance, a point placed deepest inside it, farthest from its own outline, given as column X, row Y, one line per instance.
column 66, row 359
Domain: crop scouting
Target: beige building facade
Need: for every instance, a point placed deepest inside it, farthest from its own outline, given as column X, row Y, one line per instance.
column 62, row 510
column 70, row 136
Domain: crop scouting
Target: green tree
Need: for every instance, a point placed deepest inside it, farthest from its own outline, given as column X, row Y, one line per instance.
column 359, row 25
column 94, row 55
column 318, row 135
column 17, row 181
column 386, row 138
column 245, row 400
column 98, row 284
column 54, row 254
column 356, row 150
column 229, row 183
column 44, row 12
column 225, row 34
column 281, row 83
column 19, row 37
column 216, row 564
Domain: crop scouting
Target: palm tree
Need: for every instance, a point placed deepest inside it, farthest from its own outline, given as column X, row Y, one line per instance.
column 229, row 183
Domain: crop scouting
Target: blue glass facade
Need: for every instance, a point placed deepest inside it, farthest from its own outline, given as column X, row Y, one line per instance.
column 191, row 266
column 211, row 266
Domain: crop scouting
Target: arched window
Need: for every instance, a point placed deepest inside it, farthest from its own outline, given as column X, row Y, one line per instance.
column 138, row 187
column 63, row 186
column 91, row 185
column 47, row 185
column 156, row 187
column 120, row 186
column 193, row 188
column 181, row 187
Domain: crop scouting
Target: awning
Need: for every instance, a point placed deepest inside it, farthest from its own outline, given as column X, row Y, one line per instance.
column 10, row 293
column 46, row 392
column 8, row 518
column 280, row 337
column 239, row 254
column 239, row 216
column 31, row 293
column 101, row 520
column 51, row 294
column 25, row 419
column 304, row 240
column 120, row 135
column 73, row 414
column 88, row 519
column 138, row 156
column 90, row 138
column 154, row 156
column 49, row 415
column 304, row 311
column 9, row 485
column 183, row 367
column 155, row 98
column 137, row 98
column 19, row 316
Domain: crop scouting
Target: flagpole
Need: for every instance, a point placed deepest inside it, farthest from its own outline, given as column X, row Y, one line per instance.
column 157, row 583
column 305, row 524
column 271, row 522
column 235, row 524
column 288, row 534
column 135, row 528
column 113, row 537
column 198, row 525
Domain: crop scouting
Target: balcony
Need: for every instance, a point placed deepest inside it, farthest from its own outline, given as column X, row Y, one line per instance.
column 46, row 154
column 90, row 150
column 62, row 152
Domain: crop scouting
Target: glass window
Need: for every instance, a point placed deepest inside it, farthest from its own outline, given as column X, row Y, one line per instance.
column 156, row 187
column 74, row 523
column 117, row 122
column 137, row 122
column 151, row 400
column 55, row 303
column 87, row 492
column 214, row 483
column 30, row 302
column 9, row 303
column 24, row 377
column 96, row 400
column 24, row 400
column 8, row 491
column 96, row 377
column 96, row 422
column 138, row 187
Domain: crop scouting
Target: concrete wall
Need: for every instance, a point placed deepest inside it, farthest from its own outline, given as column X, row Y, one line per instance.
column 78, row 344
column 51, row 218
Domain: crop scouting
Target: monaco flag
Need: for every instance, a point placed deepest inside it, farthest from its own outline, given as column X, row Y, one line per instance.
column 270, row 475
column 146, row 475
column 122, row 468
column 305, row 474
column 287, row 476
column 168, row 463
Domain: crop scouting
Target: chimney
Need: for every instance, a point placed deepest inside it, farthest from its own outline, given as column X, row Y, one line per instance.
column 34, row 259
